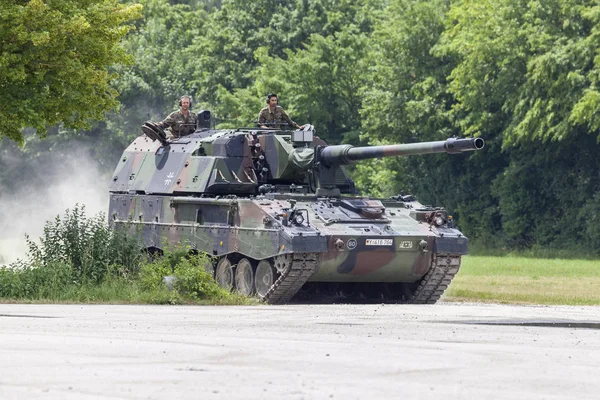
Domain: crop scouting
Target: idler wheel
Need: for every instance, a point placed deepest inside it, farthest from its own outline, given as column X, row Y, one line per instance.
column 224, row 274
column 282, row 262
column 264, row 278
column 244, row 277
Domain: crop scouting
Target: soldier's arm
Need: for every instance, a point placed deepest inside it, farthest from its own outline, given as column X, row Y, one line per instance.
column 168, row 122
column 288, row 119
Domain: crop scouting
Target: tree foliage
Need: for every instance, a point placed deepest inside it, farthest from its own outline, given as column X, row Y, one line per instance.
column 522, row 74
column 54, row 61
column 527, row 68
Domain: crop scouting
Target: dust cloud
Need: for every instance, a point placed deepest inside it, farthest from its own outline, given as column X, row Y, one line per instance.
column 60, row 182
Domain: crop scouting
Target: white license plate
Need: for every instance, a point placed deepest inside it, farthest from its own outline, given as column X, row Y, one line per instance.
column 380, row 242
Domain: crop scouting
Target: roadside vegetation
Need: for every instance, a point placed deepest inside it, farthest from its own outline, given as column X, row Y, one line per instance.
column 527, row 280
column 79, row 259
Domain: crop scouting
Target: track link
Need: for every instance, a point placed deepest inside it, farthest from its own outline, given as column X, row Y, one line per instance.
column 295, row 270
column 436, row 281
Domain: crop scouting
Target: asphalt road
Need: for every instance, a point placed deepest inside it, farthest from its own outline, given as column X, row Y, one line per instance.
column 444, row 351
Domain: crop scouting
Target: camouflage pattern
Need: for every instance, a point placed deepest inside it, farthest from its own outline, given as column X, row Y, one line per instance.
column 180, row 124
column 274, row 118
column 258, row 196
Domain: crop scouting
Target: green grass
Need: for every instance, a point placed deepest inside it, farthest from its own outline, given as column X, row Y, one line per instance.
column 535, row 252
column 124, row 292
column 525, row 280
column 54, row 283
column 525, row 266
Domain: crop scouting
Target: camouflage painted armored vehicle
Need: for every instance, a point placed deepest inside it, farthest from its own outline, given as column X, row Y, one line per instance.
column 278, row 212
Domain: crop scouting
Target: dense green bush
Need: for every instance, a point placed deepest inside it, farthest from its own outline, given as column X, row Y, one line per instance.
column 82, row 259
column 191, row 281
column 88, row 245
column 29, row 281
column 73, row 250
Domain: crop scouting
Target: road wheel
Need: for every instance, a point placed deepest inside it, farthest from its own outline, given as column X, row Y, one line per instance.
column 244, row 277
column 264, row 278
column 224, row 274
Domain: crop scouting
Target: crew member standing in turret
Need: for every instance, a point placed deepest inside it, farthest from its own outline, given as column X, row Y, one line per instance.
column 274, row 116
column 182, row 122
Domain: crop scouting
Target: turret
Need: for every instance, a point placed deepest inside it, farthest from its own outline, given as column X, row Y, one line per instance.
column 249, row 161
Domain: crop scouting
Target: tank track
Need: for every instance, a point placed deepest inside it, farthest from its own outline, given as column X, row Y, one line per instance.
column 436, row 281
column 295, row 270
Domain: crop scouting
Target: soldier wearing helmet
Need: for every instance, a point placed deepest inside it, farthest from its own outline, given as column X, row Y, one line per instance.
column 181, row 122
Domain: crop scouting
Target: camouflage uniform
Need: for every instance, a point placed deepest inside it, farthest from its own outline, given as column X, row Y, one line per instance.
column 179, row 124
column 272, row 119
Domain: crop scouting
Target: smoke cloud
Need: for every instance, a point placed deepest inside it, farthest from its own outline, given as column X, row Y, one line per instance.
column 60, row 181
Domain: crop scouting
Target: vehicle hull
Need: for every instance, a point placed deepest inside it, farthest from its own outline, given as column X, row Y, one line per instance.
column 392, row 248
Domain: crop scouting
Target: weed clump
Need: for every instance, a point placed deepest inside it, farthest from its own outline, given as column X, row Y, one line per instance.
column 188, row 277
column 88, row 245
column 81, row 259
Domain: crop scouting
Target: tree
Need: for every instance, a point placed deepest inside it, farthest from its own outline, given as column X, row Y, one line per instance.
column 319, row 84
column 226, row 54
column 158, row 77
column 55, row 57
column 527, row 68
column 407, row 100
column 526, row 75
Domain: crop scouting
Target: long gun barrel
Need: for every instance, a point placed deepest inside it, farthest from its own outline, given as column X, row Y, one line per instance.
column 347, row 154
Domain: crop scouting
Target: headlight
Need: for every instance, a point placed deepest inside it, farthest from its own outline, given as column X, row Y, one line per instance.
column 439, row 221
column 299, row 219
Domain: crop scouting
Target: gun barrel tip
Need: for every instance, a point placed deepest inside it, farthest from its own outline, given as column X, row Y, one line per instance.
column 478, row 143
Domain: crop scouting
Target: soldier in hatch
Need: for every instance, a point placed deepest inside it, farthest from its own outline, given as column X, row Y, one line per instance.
column 182, row 122
column 274, row 116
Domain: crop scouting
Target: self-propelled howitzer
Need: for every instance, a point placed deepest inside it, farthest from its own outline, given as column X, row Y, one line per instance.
column 279, row 214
